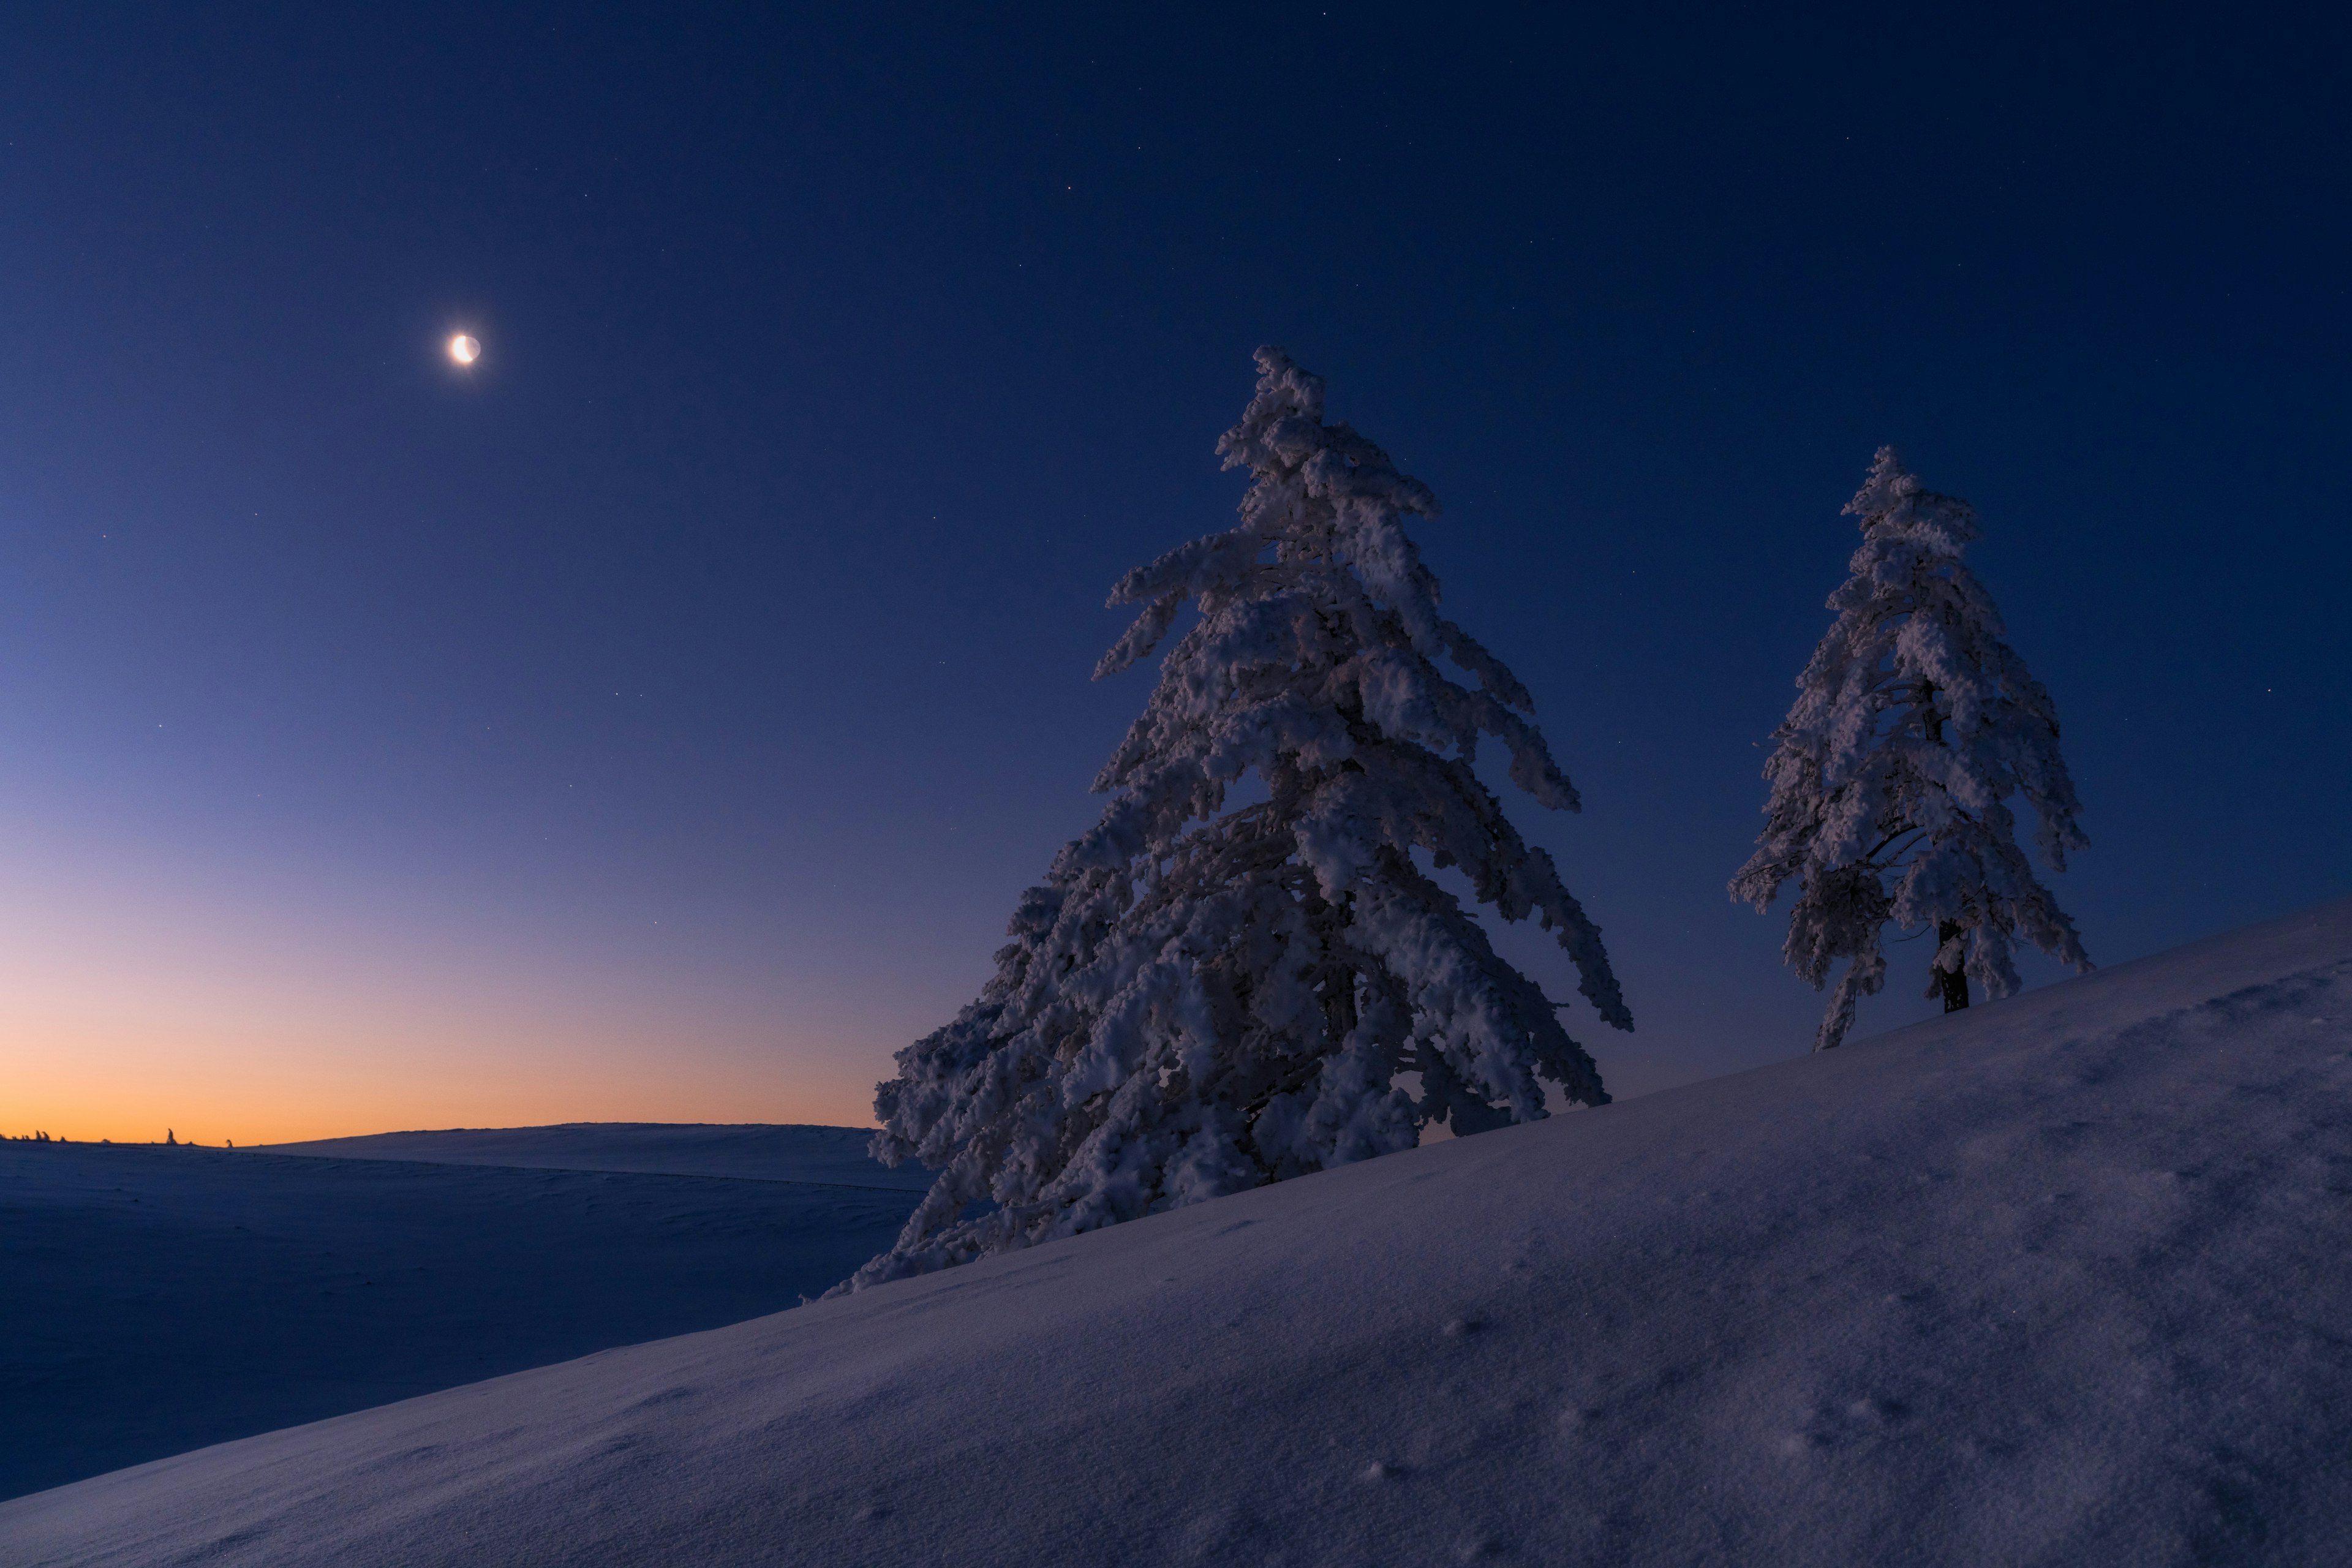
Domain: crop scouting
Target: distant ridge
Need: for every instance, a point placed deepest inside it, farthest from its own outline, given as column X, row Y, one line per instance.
column 740, row 1151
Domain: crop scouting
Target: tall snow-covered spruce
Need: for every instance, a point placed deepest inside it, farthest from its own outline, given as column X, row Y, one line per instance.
column 1914, row 725
column 1205, row 997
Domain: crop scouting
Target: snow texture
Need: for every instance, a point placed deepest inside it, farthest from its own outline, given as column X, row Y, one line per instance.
column 1914, row 725
column 747, row 1151
column 2058, row 1280
column 1203, row 997
column 154, row 1301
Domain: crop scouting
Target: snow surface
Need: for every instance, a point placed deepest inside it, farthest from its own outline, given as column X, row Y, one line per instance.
column 749, row 1151
column 2059, row 1280
column 154, row 1300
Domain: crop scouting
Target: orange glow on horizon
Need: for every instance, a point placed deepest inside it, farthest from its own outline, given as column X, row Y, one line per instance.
column 130, row 1079
column 275, row 1017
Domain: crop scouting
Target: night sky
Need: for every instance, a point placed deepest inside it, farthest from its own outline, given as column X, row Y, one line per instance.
column 658, row 720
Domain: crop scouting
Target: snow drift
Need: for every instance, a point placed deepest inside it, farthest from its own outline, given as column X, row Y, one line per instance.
column 2056, row 1280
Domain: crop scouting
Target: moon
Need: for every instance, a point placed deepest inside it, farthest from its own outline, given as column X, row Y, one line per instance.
column 464, row 350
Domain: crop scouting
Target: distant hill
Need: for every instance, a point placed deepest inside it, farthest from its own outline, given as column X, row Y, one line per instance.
column 2056, row 1280
column 749, row 1151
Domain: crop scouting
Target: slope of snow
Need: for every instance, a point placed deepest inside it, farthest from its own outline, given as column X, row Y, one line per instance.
column 154, row 1300
column 2059, row 1280
column 753, row 1151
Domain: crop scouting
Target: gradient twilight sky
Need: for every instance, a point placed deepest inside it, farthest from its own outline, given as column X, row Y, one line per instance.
column 658, row 720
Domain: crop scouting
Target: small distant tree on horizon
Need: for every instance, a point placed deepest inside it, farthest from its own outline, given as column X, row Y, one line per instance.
column 1914, row 725
column 1203, row 997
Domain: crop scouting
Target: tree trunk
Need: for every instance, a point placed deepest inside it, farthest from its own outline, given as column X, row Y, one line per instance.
column 1954, row 981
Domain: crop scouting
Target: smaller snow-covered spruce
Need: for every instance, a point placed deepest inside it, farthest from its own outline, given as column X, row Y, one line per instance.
column 1203, row 996
column 1914, row 725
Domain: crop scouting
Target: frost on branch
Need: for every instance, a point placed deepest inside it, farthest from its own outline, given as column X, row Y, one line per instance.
column 1201, row 999
column 1914, row 725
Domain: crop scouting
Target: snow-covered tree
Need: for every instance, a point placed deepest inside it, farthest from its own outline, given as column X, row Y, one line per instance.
column 1206, row 996
column 1914, row 725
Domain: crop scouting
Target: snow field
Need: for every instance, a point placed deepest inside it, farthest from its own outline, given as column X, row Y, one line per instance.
column 2055, row 1280
column 154, row 1301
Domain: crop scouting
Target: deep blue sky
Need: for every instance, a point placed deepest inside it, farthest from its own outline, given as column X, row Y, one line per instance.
column 681, row 698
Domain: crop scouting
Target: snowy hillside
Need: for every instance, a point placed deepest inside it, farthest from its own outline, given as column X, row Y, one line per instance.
column 835, row 1156
column 2058, row 1280
column 154, row 1300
